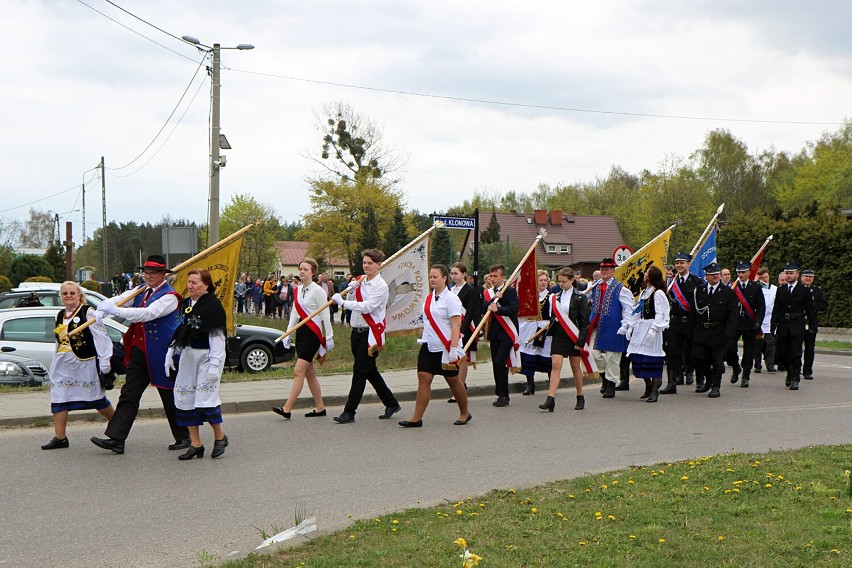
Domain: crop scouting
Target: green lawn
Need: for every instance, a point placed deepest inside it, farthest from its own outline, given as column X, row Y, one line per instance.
column 781, row 509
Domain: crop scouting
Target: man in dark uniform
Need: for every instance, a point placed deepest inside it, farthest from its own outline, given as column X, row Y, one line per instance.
column 751, row 308
column 716, row 317
column 677, row 339
column 793, row 309
column 502, row 302
column 155, row 317
column 820, row 305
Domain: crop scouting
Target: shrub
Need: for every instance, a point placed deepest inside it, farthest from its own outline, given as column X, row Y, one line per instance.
column 39, row 279
column 92, row 285
column 5, row 284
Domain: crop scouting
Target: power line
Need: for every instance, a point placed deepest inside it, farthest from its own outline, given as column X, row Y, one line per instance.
column 135, row 32
column 160, row 131
column 147, row 23
column 529, row 105
column 78, row 186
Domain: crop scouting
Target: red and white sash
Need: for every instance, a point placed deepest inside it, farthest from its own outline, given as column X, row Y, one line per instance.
column 376, row 337
column 312, row 324
column 573, row 332
column 514, row 360
column 441, row 329
column 678, row 294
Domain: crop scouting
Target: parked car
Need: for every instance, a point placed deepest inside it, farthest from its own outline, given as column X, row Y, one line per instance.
column 48, row 296
column 29, row 332
column 22, row 371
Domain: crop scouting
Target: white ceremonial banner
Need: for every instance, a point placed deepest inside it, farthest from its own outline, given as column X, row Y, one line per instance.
column 407, row 275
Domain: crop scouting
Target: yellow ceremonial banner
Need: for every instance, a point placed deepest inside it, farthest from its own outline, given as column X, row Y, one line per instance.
column 222, row 265
column 632, row 271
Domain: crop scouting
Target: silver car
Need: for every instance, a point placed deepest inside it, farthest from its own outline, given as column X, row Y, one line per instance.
column 22, row 371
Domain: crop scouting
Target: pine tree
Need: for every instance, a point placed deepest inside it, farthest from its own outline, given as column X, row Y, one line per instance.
column 396, row 236
column 442, row 247
column 492, row 232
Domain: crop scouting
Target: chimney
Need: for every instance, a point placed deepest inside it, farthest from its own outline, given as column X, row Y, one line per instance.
column 556, row 217
column 540, row 217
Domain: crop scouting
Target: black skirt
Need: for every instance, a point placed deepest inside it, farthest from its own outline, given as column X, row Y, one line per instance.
column 561, row 344
column 307, row 344
column 428, row 362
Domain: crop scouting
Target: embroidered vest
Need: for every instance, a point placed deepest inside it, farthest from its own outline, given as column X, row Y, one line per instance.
column 82, row 344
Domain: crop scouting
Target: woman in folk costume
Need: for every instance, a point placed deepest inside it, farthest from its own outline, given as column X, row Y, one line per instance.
column 471, row 304
column 535, row 355
column 441, row 348
column 198, row 345
column 569, row 310
column 74, row 380
column 644, row 331
column 313, row 340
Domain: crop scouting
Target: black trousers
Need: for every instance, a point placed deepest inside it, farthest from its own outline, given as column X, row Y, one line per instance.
column 788, row 352
column 136, row 381
column 365, row 370
column 810, row 346
column 678, row 349
column 764, row 348
column 501, row 346
column 709, row 362
column 747, row 359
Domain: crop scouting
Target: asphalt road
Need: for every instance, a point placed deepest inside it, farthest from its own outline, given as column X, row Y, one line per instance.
column 87, row 507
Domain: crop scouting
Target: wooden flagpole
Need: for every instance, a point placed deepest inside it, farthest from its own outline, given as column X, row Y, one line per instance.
column 345, row 292
column 702, row 238
column 226, row 241
column 760, row 250
column 499, row 295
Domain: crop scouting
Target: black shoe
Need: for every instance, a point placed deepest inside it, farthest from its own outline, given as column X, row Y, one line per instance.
column 109, row 444
column 280, row 412
column 463, row 422
column 344, row 418
column 744, row 384
column 603, row 383
column 610, row 390
column 501, row 402
column 193, row 452
column 549, row 404
column 679, row 380
column 770, row 369
column 390, row 411
column 690, row 378
column 714, row 393
column 647, row 389
column 451, row 400
column 758, row 370
column 314, row 412
column 581, row 402
column 408, row 424
column 735, row 375
column 219, row 447
column 788, row 381
column 670, row 388
column 180, row 444
column 530, row 390
column 794, row 385
column 56, row 444
column 702, row 388
column 622, row 386
column 654, row 394
column 808, row 377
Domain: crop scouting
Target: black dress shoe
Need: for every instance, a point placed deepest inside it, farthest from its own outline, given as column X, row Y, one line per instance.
column 690, row 378
column 281, row 412
column 463, row 422
column 193, row 452
column 770, row 369
column 581, row 403
column 451, row 400
column 390, row 411
column 808, row 377
column 757, row 370
column 180, row 444
column 622, row 386
column 56, row 444
column 408, row 424
column 344, row 418
column 218, row 447
column 500, row 402
column 794, row 385
column 549, row 404
column 714, row 393
column 314, row 412
column 702, row 389
column 116, row 446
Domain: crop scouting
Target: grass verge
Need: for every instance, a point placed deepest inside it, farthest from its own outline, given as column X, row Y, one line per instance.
column 791, row 508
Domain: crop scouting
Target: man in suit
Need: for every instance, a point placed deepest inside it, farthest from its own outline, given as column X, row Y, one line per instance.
column 677, row 339
column 751, row 309
column 794, row 307
column 502, row 302
column 716, row 317
column 820, row 305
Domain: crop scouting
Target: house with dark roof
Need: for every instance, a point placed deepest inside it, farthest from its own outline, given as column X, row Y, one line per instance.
column 578, row 241
column 291, row 253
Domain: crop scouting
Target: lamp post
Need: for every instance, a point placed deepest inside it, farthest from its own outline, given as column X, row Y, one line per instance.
column 217, row 139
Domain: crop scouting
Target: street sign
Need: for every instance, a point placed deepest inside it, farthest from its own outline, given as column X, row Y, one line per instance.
column 621, row 254
column 456, row 222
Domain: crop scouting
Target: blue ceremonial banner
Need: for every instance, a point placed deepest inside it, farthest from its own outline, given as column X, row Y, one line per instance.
column 705, row 255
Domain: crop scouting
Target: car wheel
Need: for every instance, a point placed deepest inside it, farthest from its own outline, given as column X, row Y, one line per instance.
column 256, row 358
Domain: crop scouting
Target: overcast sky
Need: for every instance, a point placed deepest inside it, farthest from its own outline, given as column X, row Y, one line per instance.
column 77, row 86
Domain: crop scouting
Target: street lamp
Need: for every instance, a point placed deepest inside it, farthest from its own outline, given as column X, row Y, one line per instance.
column 217, row 139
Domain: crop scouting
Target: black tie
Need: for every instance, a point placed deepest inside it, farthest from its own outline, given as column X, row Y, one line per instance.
column 148, row 293
column 682, row 280
column 789, row 288
column 710, row 291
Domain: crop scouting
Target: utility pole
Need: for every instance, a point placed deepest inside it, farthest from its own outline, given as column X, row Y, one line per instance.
column 69, row 251
column 84, row 212
column 213, row 228
column 104, row 272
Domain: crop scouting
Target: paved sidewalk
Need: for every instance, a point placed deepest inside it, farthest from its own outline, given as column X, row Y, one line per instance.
column 23, row 409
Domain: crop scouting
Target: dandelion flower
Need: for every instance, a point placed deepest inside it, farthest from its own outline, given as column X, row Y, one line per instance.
column 582, row 543
column 459, row 511
column 611, row 517
column 721, row 537
column 533, row 510
column 570, row 495
column 561, row 515
column 393, row 529
column 351, row 536
column 662, row 541
column 395, row 522
column 768, row 485
column 461, row 542
column 632, row 537
column 684, row 477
